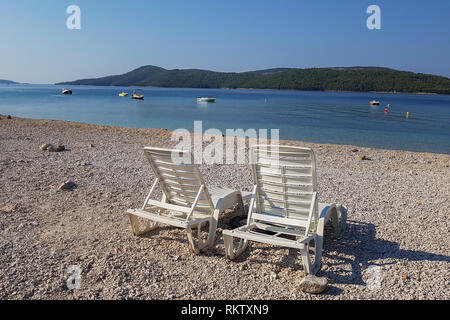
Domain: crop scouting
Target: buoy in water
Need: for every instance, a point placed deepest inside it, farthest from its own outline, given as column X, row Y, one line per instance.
column 385, row 110
column 407, row 115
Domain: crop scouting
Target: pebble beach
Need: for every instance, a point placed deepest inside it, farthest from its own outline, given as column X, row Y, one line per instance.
column 398, row 206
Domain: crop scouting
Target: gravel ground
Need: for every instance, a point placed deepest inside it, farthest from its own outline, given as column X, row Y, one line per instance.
column 398, row 208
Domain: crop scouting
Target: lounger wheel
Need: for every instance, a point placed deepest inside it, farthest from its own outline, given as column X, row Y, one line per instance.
column 337, row 217
column 334, row 221
column 342, row 218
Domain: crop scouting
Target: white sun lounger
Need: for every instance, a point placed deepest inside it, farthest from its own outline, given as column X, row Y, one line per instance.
column 186, row 202
column 284, row 210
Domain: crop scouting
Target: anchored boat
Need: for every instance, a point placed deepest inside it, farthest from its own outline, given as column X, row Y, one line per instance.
column 123, row 94
column 374, row 103
column 66, row 91
column 206, row 99
column 138, row 95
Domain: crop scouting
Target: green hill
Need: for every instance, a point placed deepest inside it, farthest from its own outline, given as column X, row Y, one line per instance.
column 7, row 82
column 320, row 79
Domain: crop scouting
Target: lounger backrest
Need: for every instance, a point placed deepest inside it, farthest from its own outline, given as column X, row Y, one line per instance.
column 180, row 182
column 285, row 178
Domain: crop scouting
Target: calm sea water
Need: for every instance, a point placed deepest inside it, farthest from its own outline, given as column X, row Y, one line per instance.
column 323, row 117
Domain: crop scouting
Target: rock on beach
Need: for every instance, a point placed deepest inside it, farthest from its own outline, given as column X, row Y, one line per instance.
column 52, row 148
column 312, row 284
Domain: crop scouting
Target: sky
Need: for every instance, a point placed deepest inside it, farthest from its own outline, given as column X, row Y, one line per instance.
column 233, row 36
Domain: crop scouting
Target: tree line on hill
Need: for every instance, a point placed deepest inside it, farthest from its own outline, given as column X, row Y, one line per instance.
column 361, row 79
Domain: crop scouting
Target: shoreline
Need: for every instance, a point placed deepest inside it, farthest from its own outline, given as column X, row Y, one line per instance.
column 265, row 89
column 396, row 205
column 282, row 141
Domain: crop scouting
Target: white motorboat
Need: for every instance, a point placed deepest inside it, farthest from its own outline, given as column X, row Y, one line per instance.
column 206, row 99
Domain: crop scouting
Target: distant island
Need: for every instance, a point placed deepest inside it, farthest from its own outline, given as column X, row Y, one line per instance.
column 360, row 79
column 7, row 82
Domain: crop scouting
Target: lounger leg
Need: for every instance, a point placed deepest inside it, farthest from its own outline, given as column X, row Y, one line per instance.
column 228, row 242
column 306, row 260
column 192, row 247
column 309, row 266
column 212, row 229
column 136, row 225
column 197, row 245
column 230, row 253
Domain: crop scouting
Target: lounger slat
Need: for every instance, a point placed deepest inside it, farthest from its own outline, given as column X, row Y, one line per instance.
column 246, row 233
column 290, row 203
column 180, row 184
column 188, row 168
column 278, row 219
column 301, row 180
column 183, row 164
column 187, row 197
column 175, row 168
column 200, row 208
column 183, row 202
column 286, row 231
column 188, row 178
column 307, row 196
column 293, row 211
column 168, row 154
column 188, row 189
column 282, row 187
column 298, row 172
column 278, row 174
column 162, row 150
column 170, row 220
column 290, row 167
column 283, row 154
column 283, row 181
column 291, row 162
column 168, row 206
column 283, row 150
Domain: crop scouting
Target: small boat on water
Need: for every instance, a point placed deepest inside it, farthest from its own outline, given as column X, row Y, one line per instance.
column 374, row 103
column 206, row 99
column 137, row 94
column 66, row 91
column 123, row 94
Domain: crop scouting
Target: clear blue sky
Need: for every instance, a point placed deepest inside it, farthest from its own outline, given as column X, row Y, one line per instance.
column 233, row 35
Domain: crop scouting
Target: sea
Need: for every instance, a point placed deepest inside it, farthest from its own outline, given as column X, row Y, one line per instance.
column 411, row 122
